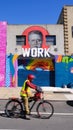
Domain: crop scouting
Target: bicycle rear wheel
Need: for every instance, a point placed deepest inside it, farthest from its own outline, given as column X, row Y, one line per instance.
column 45, row 110
column 13, row 108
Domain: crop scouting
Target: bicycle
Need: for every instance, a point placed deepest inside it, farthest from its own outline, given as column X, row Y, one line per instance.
column 15, row 107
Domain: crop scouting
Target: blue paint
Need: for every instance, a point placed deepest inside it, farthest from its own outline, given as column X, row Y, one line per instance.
column 42, row 77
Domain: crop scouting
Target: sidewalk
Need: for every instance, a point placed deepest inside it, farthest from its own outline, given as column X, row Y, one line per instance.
column 59, row 94
column 50, row 93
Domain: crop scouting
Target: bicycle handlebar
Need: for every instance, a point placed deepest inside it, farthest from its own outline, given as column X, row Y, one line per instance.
column 39, row 90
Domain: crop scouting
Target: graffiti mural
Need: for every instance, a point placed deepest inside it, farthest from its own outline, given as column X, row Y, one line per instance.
column 40, row 68
column 17, row 69
column 43, row 64
column 38, row 43
column 37, row 58
column 36, row 47
column 37, row 35
column 63, row 70
column 11, row 70
column 3, row 32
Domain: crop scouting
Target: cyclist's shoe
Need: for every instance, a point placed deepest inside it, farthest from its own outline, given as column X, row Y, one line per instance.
column 28, row 117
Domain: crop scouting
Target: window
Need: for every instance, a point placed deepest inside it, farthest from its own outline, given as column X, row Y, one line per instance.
column 20, row 40
column 51, row 40
column 72, row 30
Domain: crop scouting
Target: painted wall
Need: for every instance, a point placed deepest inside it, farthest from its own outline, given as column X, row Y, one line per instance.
column 13, row 30
column 43, row 69
column 3, row 42
column 18, row 69
column 11, row 70
column 63, row 70
column 47, row 71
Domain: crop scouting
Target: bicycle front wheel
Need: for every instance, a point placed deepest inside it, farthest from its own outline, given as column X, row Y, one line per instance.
column 13, row 108
column 45, row 110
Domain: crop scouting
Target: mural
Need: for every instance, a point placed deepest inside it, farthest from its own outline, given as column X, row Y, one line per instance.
column 56, row 70
column 3, row 30
column 46, row 73
column 11, row 70
column 63, row 70
column 42, row 64
column 35, row 39
column 40, row 68
column 7, row 83
column 37, row 35
column 37, row 44
column 17, row 70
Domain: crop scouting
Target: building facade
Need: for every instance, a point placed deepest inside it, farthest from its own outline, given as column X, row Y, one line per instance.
column 52, row 34
column 43, row 50
column 17, row 36
column 66, row 19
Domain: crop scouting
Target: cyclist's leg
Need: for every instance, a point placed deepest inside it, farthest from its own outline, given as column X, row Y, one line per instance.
column 27, row 108
column 26, row 104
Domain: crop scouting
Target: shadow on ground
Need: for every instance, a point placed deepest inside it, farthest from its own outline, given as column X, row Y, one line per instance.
column 3, row 114
column 70, row 103
column 22, row 117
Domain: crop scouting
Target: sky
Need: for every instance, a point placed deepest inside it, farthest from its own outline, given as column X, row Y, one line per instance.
column 31, row 11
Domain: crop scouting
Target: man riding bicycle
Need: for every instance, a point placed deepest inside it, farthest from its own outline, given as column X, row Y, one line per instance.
column 26, row 93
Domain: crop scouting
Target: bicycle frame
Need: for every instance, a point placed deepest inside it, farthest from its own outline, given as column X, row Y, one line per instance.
column 34, row 102
column 32, row 99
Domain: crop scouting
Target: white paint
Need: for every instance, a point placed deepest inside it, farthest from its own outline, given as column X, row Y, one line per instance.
column 35, row 52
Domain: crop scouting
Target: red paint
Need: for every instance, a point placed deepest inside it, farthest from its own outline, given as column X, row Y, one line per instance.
column 37, row 28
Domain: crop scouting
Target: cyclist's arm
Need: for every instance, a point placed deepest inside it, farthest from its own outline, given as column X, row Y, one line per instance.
column 31, row 85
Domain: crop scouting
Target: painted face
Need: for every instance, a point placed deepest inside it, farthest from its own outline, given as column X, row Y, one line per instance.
column 35, row 40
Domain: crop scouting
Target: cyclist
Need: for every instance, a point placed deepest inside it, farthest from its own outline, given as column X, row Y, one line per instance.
column 25, row 92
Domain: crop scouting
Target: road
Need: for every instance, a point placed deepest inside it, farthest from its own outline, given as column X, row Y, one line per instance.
column 62, row 119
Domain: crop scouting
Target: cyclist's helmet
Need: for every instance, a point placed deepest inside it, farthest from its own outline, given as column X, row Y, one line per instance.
column 31, row 77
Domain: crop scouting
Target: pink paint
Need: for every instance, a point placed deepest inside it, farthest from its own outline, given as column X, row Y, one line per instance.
column 3, row 31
